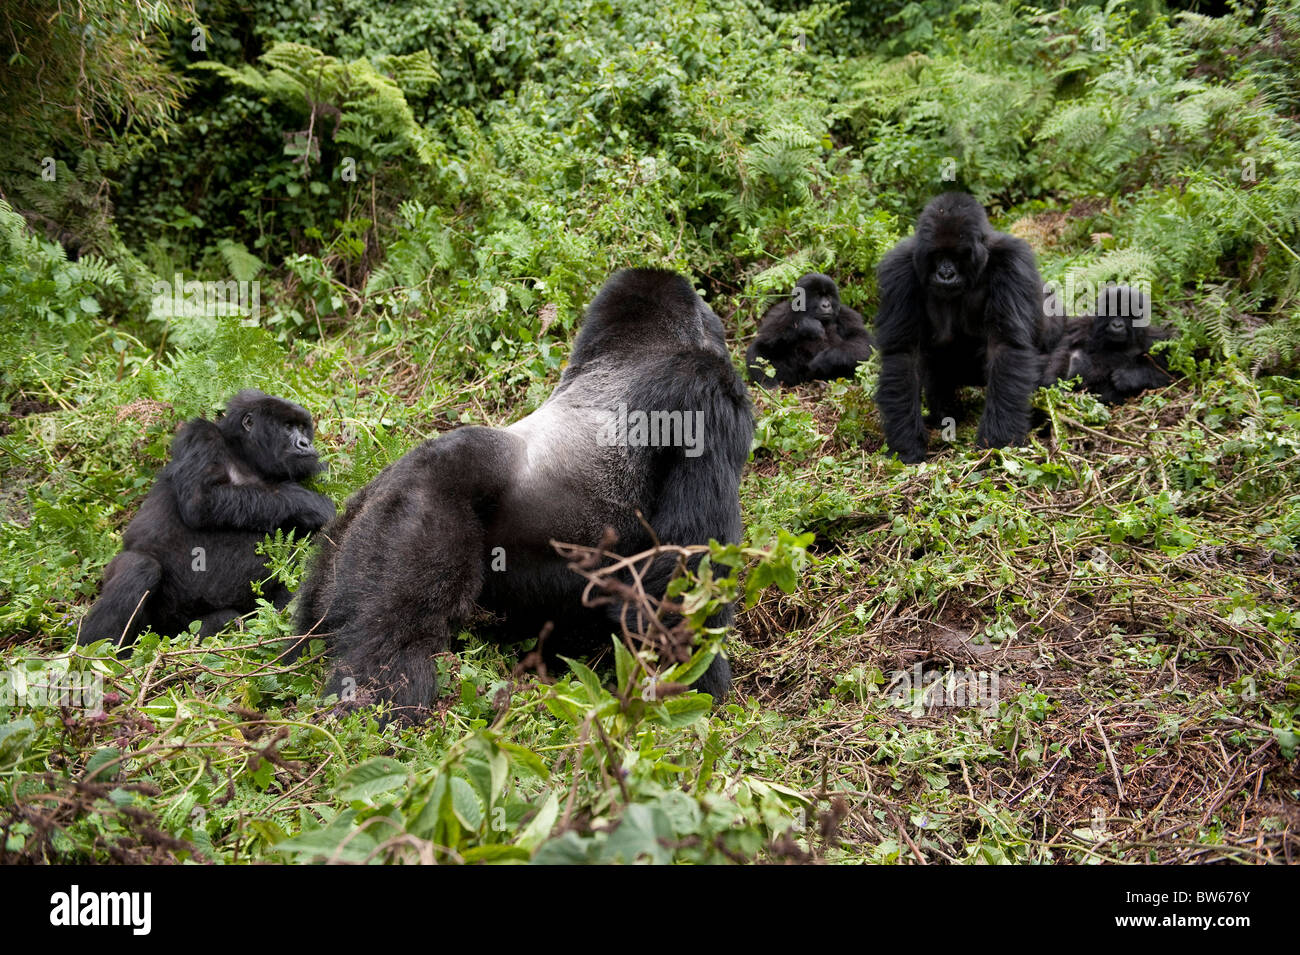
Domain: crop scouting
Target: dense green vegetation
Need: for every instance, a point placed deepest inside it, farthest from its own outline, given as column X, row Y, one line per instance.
column 426, row 193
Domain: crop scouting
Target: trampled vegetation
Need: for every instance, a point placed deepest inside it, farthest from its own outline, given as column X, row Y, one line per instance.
column 423, row 194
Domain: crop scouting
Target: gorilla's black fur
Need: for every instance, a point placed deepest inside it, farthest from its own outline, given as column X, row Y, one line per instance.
column 810, row 337
column 1109, row 349
column 191, row 551
column 960, row 304
column 422, row 545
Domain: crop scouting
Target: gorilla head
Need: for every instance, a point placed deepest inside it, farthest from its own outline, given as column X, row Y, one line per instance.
column 816, row 295
column 272, row 435
column 1123, row 314
column 951, row 251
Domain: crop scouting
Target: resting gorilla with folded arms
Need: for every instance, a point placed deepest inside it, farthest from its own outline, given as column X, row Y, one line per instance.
column 190, row 553
column 811, row 337
column 1110, row 348
column 466, row 520
column 960, row 304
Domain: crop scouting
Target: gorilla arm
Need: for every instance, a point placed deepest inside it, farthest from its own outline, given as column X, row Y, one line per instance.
column 898, row 337
column 698, row 500
column 785, row 340
column 215, row 491
column 1013, row 306
column 1137, row 377
column 848, row 345
column 1145, row 370
column 783, row 328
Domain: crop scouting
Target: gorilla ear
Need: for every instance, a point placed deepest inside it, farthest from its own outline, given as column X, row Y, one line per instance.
column 248, row 421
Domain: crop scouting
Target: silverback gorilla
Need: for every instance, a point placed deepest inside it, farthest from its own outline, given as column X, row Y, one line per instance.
column 191, row 551
column 466, row 519
column 1110, row 348
column 960, row 304
column 810, row 337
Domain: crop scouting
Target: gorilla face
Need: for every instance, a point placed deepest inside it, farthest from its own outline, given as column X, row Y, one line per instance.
column 1117, row 330
column 946, row 278
column 1114, row 331
column 1123, row 313
column 274, row 435
column 816, row 296
column 951, row 250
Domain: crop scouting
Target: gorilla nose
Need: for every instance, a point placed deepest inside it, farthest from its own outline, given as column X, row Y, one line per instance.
column 825, row 306
column 302, row 445
column 1116, row 325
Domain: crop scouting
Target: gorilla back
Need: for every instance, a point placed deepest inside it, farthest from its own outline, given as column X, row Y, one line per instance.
column 466, row 519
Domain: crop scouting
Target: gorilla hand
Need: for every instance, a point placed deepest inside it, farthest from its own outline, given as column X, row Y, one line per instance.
column 811, row 329
column 312, row 511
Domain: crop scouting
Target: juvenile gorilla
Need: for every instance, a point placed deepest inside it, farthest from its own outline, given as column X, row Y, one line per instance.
column 466, row 520
column 811, row 337
column 1109, row 350
column 960, row 304
column 191, row 551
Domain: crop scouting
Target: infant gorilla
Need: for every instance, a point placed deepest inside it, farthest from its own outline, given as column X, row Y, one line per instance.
column 810, row 337
column 1110, row 349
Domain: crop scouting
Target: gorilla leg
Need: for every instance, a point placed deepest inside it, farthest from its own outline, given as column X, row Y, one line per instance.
column 1137, row 378
column 121, row 611
column 212, row 623
column 1013, row 375
column 411, row 566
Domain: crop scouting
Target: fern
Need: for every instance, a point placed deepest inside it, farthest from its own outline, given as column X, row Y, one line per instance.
column 353, row 102
column 243, row 265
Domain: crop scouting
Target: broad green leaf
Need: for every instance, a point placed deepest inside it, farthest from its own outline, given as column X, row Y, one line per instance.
column 465, row 803
column 101, row 758
column 525, row 758
column 539, row 827
column 681, row 710
column 638, row 834
column 588, row 678
column 371, row 778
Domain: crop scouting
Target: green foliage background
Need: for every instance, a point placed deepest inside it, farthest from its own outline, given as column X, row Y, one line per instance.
column 428, row 192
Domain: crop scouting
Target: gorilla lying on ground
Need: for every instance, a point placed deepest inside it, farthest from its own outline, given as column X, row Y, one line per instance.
column 960, row 304
column 811, row 337
column 191, row 551
column 467, row 519
column 1109, row 350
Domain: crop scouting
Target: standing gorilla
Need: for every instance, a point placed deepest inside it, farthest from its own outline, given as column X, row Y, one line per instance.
column 811, row 337
column 1110, row 349
column 467, row 519
column 960, row 304
column 191, row 551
